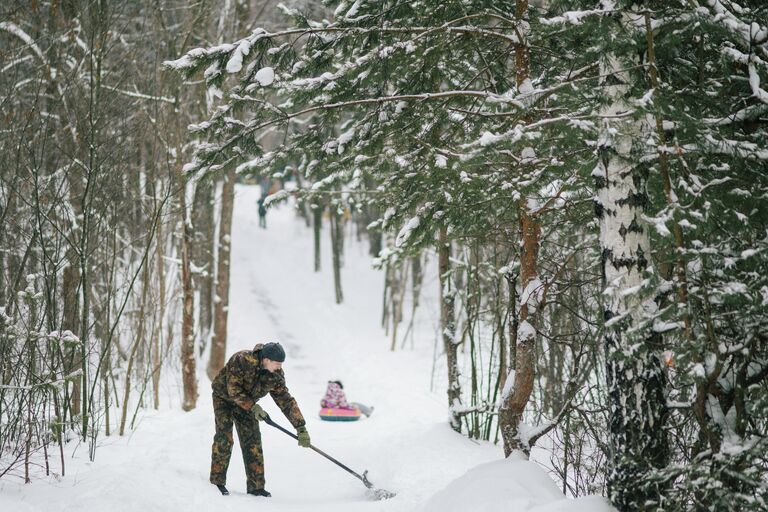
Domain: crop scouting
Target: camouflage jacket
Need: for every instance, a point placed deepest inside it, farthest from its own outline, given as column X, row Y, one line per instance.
column 243, row 381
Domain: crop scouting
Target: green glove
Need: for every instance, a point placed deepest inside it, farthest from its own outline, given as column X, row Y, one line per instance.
column 303, row 436
column 258, row 413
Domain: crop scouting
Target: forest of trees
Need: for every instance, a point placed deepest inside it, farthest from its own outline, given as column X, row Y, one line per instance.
column 589, row 178
column 110, row 257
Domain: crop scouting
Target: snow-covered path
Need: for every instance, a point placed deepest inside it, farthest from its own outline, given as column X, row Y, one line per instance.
column 406, row 444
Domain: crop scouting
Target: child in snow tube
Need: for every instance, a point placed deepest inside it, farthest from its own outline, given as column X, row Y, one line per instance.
column 334, row 405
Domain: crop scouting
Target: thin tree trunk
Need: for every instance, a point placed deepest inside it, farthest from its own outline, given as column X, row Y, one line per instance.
column 104, row 336
column 394, row 297
column 398, row 294
column 448, row 326
column 499, row 316
column 84, row 288
column 371, row 213
column 3, row 243
column 384, row 300
column 503, row 313
column 97, row 49
column 511, row 414
column 71, row 322
column 127, row 390
column 59, row 430
column 105, row 384
column 682, row 281
column 336, row 237
column 30, row 419
column 304, row 205
column 188, row 362
column 317, row 225
column 417, row 277
column 514, row 403
column 221, row 307
column 157, row 358
column 137, row 344
column 202, row 257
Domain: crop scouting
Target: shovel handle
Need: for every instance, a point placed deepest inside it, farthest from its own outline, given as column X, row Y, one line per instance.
column 362, row 478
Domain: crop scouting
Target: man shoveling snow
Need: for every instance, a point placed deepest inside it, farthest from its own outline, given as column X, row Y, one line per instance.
column 248, row 376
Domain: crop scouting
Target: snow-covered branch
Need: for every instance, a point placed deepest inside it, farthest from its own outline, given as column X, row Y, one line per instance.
column 139, row 95
column 189, row 60
column 754, row 83
column 14, row 29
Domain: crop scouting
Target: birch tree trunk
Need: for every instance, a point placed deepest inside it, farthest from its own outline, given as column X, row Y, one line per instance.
column 221, row 302
column 635, row 378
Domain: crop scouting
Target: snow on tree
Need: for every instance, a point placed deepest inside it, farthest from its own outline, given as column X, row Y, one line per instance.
column 494, row 124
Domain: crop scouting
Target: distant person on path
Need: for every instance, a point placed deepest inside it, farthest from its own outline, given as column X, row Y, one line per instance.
column 248, row 376
column 262, row 214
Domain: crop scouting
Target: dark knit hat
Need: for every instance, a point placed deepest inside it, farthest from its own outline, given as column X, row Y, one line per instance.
column 273, row 351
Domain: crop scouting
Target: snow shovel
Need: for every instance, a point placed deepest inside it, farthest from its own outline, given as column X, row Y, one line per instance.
column 379, row 494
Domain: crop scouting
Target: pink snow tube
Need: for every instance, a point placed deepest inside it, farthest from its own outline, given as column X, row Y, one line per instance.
column 338, row 414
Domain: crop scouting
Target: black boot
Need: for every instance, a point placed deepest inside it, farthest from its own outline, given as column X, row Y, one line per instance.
column 223, row 490
column 261, row 492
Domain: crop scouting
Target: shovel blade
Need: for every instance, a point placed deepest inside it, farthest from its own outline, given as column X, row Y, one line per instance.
column 383, row 494
column 378, row 494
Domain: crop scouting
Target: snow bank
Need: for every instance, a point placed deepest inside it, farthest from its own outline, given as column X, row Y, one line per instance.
column 509, row 485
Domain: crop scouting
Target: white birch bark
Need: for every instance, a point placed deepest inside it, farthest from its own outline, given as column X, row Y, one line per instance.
column 634, row 374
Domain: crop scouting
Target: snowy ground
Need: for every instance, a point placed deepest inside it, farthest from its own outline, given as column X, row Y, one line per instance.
column 406, row 444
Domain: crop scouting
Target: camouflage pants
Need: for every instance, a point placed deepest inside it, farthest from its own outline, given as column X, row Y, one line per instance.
column 226, row 414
